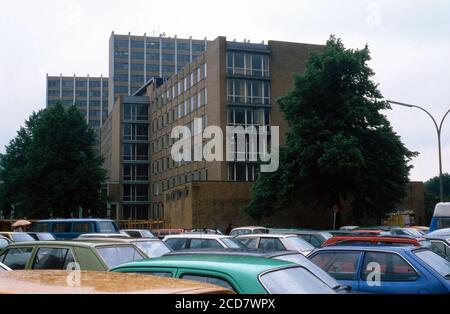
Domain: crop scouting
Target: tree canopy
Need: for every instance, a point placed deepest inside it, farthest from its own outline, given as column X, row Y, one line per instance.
column 339, row 147
column 51, row 167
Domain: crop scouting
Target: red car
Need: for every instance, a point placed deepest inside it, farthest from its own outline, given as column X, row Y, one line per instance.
column 370, row 239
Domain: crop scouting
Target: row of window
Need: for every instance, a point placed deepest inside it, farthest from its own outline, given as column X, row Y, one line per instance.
column 78, row 83
column 135, row 193
column 135, row 152
column 155, row 44
column 182, row 85
column 242, row 172
column 138, row 112
column 166, row 141
column 161, row 186
column 135, row 172
column 135, row 132
column 248, row 64
column 248, row 116
column 248, row 91
column 79, row 93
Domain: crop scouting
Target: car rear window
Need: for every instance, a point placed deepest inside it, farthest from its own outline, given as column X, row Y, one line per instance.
column 294, row 280
column 16, row 258
column 152, row 248
column 177, row 244
column 117, row 255
column 436, row 262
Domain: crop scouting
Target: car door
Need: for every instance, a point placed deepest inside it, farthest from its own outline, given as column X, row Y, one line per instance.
column 396, row 275
column 54, row 258
column 341, row 265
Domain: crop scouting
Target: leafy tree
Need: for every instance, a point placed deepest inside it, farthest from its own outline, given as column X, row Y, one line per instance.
column 339, row 148
column 51, row 166
column 432, row 193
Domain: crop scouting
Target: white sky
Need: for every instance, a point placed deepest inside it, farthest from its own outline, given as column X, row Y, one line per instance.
column 409, row 41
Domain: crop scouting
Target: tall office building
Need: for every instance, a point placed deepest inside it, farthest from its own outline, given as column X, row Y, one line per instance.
column 89, row 94
column 133, row 60
column 230, row 84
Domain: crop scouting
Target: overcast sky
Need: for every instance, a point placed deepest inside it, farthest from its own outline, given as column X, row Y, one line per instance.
column 409, row 41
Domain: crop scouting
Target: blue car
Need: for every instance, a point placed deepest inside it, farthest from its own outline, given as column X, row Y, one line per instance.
column 385, row 269
column 67, row 229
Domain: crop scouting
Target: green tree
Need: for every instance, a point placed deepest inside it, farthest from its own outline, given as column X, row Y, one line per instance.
column 432, row 192
column 51, row 166
column 339, row 148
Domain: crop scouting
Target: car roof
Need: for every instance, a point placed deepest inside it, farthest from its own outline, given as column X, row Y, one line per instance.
column 75, row 220
column 243, row 265
column 235, row 252
column 86, row 244
column 117, row 240
column 267, row 235
column 390, row 248
column 55, row 282
column 249, row 227
column 188, row 235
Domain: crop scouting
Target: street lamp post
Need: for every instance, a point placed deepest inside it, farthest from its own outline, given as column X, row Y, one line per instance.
column 438, row 131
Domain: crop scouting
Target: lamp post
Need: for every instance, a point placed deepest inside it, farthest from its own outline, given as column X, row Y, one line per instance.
column 438, row 131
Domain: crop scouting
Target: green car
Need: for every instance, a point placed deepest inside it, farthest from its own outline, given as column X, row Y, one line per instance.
column 242, row 274
column 60, row 255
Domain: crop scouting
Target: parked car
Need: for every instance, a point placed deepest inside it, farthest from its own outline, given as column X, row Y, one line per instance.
column 276, row 242
column 199, row 241
column 204, row 231
column 439, row 233
column 153, row 247
column 441, row 217
column 3, row 267
column 59, row 254
column 406, row 231
column 348, row 228
column 4, row 242
column 248, row 230
column 67, row 229
column 17, row 236
column 103, row 235
column 403, row 269
column 55, row 282
column 242, row 274
column 289, row 256
column 161, row 233
column 440, row 246
column 42, row 236
column 372, row 240
column 138, row 233
column 315, row 238
column 370, row 232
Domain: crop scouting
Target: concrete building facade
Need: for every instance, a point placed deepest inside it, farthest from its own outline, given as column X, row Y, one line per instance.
column 231, row 84
column 133, row 60
column 88, row 94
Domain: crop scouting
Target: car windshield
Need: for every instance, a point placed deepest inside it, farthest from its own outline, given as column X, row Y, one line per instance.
column 413, row 232
column 233, row 243
column 299, row 244
column 436, row 262
column 21, row 237
column 316, row 270
column 294, row 280
column 153, row 248
column 116, row 255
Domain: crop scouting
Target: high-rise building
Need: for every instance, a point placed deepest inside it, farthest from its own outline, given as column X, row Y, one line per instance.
column 89, row 94
column 133, row 60
column 230, row 84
